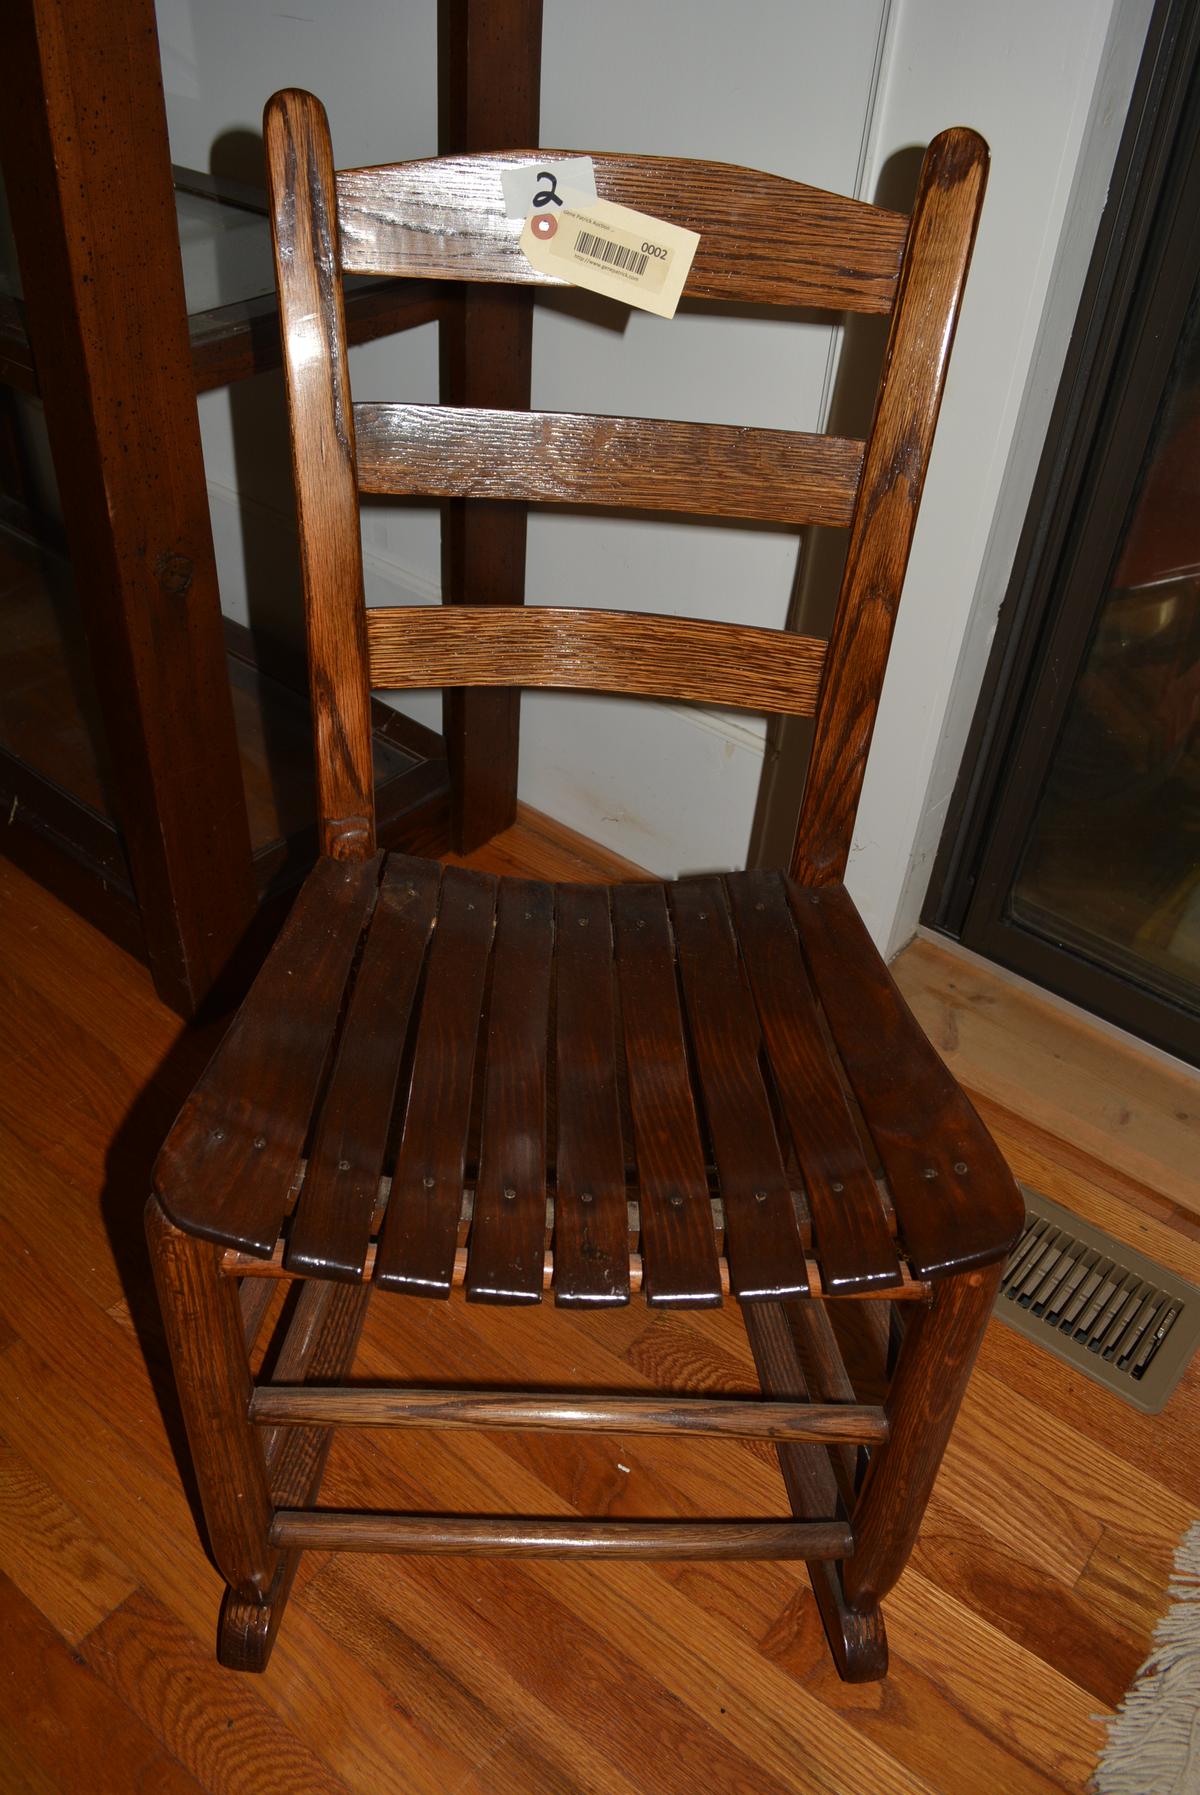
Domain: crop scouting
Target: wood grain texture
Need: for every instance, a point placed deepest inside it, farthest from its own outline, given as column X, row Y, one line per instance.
column 763, row 240
column 203, row 1327
column 160, row 1670
column 645, row 464
column 60, row 1565
column 294, row 1405
column 61, row 1729
column 83, row 132
column 680, row 658
column 485, row 345
column 508, row 1225
column 856, row 1637
column 956, row 1200
column 418, row 1674
column 853, row 1242
column 228, row 1165
column 331, row 1226
column 678, row 1245
column 348, row 1532
column 937, row 1357
column 591, row 1228
column 937, row 254
column 236, row 341
column 420, row 1230
column 305, row 234
column 909, row 1289
column 762, row 1239
column 1139, row 1114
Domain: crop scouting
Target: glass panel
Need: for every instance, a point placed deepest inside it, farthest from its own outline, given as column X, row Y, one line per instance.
column 1111, row 868
column 226, row 252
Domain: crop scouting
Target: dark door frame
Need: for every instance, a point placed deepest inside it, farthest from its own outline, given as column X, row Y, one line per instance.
column 1143, row 274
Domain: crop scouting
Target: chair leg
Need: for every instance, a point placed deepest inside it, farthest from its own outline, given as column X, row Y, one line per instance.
column 934, row 1364
column 857, row 1640
column 205, row 1335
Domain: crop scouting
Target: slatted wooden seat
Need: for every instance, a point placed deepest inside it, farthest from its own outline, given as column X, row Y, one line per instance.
column 674, row 1092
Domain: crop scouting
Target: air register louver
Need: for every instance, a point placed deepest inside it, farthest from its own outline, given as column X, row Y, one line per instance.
column 1095, row 1303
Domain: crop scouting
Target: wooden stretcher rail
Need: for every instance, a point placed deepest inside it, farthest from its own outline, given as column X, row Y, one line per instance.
column 910, row 1289
column 327, row 1530
column 687, row 659
column 298, row 1405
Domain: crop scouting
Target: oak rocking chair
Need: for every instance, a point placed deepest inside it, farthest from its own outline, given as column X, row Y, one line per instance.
column 681, row 1090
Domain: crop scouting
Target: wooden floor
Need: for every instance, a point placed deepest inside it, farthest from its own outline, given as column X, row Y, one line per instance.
column 1028, row 1605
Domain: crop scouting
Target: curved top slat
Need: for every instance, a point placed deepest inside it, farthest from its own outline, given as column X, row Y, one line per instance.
column 763, row 239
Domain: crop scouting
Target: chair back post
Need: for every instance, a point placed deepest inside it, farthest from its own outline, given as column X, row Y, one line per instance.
column 304, row 226
column 937, row 254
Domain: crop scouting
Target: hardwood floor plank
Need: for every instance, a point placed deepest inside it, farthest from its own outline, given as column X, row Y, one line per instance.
column 1002, row 1441
column 928, row 1723
column 1005, row 1041
column 81, row 1243
column 1125, row 1585
column 56, row 1562
column 134, row 1499
column 1058, row 1736
column 70, row 1729
column 1042, row 1567
column 214, row 1723
column 785, row 1729
column 1168, row 1444
column 1098, row 1651
column 383, row 1611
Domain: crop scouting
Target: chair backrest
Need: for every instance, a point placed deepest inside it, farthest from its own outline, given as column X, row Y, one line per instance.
column 763, row 240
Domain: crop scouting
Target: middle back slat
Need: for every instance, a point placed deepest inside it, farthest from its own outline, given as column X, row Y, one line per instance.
column 712, row 470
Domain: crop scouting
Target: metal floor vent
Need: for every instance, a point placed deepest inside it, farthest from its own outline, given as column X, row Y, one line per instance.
column 1094, row 1302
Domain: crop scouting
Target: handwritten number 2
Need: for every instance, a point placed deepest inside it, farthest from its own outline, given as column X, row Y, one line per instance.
column 550, row 197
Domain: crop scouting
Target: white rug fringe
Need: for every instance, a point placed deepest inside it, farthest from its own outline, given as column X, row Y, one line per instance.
column 1154, row 1737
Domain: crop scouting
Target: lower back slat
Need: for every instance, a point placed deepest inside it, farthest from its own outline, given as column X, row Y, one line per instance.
column 685, row 658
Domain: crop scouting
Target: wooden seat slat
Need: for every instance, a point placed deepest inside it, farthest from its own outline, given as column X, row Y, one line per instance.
column 566, row 458
column 679, row 1248
column 591, row 1228
column 420, row 1226
column 762, row 1243
column 331, row 1227
column 763, row 239
column 508, row 1227
column 851, row 1240
column 227, row 1168
column 957, row 1203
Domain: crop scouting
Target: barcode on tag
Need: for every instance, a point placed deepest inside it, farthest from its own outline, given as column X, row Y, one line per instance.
column 615, row 254
column 612, row 249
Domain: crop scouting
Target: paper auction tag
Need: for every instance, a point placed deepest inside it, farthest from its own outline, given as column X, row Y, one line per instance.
column 533, row 187
column 611, row 249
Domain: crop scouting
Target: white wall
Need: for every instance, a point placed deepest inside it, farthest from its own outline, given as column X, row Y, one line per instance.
column 1048, row 86
column 824, row 94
